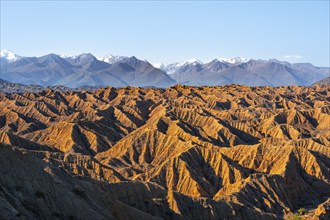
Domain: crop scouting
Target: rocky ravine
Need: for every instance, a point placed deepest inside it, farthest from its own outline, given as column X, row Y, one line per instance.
column 232, row 152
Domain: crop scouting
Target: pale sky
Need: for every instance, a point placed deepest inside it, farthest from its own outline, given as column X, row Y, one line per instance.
column 168, row 31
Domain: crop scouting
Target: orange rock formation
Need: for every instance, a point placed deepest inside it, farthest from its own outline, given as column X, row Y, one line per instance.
column 232, row 152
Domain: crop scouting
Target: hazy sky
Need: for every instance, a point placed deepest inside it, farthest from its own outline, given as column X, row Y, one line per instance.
column 170, row 31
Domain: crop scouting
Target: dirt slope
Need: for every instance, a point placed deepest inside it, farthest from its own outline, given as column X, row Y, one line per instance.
column 232, row 152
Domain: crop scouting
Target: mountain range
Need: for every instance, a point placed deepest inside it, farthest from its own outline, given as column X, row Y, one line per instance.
column 8, row 87
column 118, row 71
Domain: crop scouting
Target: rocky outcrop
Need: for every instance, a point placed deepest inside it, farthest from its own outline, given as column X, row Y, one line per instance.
column 233, row 152
column 323, row 210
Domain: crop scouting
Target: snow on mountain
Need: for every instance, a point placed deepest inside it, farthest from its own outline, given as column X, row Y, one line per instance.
column 160, row 66
column 77, row 70
column 69, row 56
column 194, row 61
column 109, row 58
column 189, row 62
column 9, row 55
column 172, row 67
column 234, row 60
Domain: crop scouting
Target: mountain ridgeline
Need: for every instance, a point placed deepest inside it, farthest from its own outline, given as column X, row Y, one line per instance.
column 87, row 70
column 84, row 70
column 190, row 153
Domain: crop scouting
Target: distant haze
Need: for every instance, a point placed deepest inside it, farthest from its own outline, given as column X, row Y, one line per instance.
column 170, row 31
column 87, row 70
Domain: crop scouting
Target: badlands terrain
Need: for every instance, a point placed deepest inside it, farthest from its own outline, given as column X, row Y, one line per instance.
column 231, row 152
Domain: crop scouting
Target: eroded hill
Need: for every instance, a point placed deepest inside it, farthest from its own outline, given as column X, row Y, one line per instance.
column 232, row 152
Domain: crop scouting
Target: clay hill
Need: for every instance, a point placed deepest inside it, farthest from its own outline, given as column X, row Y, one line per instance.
column 232, row 152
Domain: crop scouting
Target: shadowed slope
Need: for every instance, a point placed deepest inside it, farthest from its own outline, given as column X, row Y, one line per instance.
column 233, row 152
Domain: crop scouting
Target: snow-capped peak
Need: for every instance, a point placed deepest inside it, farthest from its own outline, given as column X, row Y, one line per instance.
column 109, row 58
column 194, row 61
column 69, row 56
column 234, row 60
column 189, row 62
column 9, row 55
column 159, row 65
